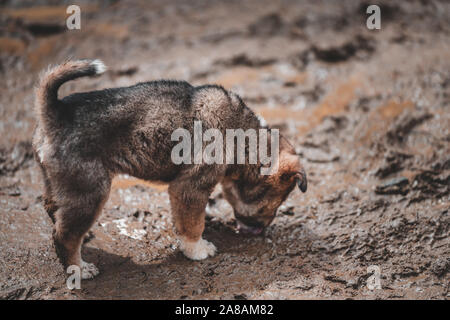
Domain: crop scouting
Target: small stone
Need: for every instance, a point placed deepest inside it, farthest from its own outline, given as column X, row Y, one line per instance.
column 393, row 186
column 441, row 266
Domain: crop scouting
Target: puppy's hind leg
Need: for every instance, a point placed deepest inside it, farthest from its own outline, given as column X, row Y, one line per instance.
column 47, row 197
column 74, row 218
column 49, row 203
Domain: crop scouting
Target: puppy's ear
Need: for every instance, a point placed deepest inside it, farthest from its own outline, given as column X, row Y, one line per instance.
column 300, row 178
column 291, row 169
column 302, row 181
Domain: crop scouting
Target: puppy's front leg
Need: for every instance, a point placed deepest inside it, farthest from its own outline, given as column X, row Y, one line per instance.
column 188, row 211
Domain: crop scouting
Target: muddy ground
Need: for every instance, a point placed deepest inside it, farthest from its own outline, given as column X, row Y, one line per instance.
column 368, row 110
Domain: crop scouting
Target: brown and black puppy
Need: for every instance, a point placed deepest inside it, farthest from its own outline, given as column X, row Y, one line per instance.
column 83, row 140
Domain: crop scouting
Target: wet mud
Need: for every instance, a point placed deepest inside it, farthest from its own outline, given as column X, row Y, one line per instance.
column 368, row 111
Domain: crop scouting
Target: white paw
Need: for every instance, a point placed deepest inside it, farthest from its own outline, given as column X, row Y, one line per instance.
column 88, row 270
column 198, row 250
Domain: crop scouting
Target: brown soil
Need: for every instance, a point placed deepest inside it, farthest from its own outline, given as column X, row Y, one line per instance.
column 367, row 110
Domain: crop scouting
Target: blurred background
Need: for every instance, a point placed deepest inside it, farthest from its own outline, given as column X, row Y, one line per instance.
column 368, row 111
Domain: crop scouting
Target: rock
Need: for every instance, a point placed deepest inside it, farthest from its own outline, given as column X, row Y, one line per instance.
column 440, row 267
column 268, row 25
column 127, row 72
column 432, row 183
column 332, row 198
column 45, row 29
column 401, row 128
column 335, row 279
column 12, row 160
column 320, row 156
column 241, row 296
column 345, row 51
column 393, row 162
column 287, row 210
column 393, row 186
column 13, row 191
column 244, row 60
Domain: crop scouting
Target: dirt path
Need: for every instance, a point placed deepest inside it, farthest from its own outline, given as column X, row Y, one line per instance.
column 367, row 110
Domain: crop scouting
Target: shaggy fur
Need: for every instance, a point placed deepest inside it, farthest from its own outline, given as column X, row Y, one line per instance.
column 83, row 140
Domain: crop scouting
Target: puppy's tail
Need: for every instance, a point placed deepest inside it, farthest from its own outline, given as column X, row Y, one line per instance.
column 47, row 93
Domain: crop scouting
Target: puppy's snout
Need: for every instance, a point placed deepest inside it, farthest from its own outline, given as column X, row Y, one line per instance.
column 248, row 225
column 246, row 229
column 302, row 181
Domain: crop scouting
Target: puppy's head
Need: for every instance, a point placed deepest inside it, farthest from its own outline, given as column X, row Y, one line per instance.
column 255, row 201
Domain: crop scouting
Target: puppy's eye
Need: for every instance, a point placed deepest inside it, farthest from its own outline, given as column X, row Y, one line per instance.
column 261, row 210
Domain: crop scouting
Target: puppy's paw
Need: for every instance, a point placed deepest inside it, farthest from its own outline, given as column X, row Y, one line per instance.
column 198, row 250
column 88, row 270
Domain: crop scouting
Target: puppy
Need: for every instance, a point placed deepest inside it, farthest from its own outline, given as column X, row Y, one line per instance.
column 83, row 140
